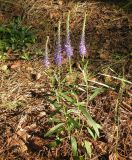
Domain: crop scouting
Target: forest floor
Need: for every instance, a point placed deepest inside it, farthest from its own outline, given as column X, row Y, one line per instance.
column 25, row 86
column 24, row 115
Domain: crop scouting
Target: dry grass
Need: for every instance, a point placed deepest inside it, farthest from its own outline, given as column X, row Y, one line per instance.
column 108, row 28
column 13, row 89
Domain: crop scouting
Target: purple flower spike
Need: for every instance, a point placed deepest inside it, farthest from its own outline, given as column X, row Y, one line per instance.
column 46, row 58
column 58, row 60
column 82, row 47
column 58, row 50
column 68, row 49
column 46, row 62
column 58, row 56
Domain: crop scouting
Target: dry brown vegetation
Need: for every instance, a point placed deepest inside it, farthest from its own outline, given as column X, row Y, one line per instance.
column 108, row 27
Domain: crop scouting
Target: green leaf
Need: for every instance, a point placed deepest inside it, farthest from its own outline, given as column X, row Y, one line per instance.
column 25, row 56
column 75, row 111
column 81, row 158
column 79, row 104
column 92, row 133
column 86, row 66
column 96, row 93
column 88, row 148
column 69, row 99
column 72, row 121
column 56, row 120
column 90, row 121
column 74, row 146
column 54, row 129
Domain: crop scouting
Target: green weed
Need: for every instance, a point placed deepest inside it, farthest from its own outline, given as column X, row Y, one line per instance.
column 16, row 36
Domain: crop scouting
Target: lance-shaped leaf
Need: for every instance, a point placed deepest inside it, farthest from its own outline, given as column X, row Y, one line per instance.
column 90, row 121
column 74, row 146
column 54, row 129
column 88, row 148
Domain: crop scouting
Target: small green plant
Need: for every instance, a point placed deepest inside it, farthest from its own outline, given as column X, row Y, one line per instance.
column 25, row 55
column 3, row 56
column 16, row 36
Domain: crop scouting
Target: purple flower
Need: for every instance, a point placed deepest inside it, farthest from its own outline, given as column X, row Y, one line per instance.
column 46, row 61
column 58, row 56
column 68, row 48
column 46, row 58
column 82, row 47
column 58, row 49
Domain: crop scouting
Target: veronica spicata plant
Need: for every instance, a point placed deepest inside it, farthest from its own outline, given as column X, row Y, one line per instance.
column 82, row 46
column 46, row 59
column 68, row 47
column 71, row 114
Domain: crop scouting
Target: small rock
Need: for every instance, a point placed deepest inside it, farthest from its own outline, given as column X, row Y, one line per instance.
column 4, row 68
column 42, row 114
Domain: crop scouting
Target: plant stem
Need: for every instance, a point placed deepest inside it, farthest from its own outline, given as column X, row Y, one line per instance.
column 68, row 24
column 70, row 66
column 87, row 88
column 68, row 38
column 46, row 45
column 84, row 24
column 59, row 79
column 59, row 31
column 83, row 59
column 117, row 113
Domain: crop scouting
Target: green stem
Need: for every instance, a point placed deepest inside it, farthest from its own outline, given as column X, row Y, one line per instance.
column 59, row 79
column 46, row 45
column 59, row 31
column 87, row 88
column 86, row 82
column 84, row 24
column 68, row 24
column 83, row 60
column 70, row 66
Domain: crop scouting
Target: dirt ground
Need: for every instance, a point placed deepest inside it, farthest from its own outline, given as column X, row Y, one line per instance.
column 24, row 117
